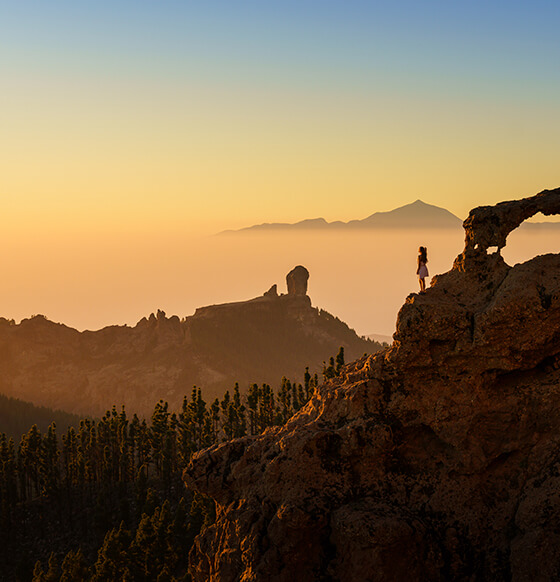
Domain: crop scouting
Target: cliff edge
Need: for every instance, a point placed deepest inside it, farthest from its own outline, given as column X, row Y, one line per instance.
column 435, row 459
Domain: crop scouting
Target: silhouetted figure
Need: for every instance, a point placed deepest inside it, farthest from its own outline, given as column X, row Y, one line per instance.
column 422, row 270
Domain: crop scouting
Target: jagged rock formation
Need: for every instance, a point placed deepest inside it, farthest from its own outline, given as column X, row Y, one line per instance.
column 259, row 340
column 296, row 281
column 435, row 459
column 488, row 226
column 272, row 292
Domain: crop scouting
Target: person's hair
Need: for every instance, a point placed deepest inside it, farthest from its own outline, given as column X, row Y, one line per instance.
column 423, row 254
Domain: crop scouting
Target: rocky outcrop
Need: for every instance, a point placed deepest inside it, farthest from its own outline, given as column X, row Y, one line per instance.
column 162, row 357
column 488, row 226
column 272, row 292
column 296, row 280
column 435, row 459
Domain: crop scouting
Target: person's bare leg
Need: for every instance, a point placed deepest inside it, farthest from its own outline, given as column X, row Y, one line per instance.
column 422, row 285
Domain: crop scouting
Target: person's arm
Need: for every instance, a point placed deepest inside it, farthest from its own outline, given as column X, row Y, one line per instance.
column 418, row 268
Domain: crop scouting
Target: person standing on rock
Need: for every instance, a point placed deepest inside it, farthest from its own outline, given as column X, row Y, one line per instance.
column 422, row 270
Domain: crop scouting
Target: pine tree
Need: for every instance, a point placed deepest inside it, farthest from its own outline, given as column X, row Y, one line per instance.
column 307, row 383
column 74, row 567
column 339, row 360
column 48, row 466
column 52, row 574
column 8, row 484
column 38, row 573
column 29, row 458
column 113, row 558
column 69, row 457
column 151, row 544
column 141, row 490
column 152, row 501
column 240, row 427
column 215, row 412
column 253, row 397
column 143, row 446
column 285, row 400
column 329, row 371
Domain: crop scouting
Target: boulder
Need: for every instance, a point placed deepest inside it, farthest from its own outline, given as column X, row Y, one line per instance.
column 296, row 280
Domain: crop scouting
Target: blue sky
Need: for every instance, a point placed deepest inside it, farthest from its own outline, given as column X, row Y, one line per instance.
column 481, row 40
column 438, row 84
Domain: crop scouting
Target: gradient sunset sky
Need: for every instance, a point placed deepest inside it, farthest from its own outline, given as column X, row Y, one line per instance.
column 200, row 116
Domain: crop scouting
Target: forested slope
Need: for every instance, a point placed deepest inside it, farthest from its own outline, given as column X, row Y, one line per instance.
column 16, row 416
column 104, row 500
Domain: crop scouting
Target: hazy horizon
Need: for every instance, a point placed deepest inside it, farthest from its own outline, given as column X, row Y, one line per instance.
column 362, row 278
column 132, row 131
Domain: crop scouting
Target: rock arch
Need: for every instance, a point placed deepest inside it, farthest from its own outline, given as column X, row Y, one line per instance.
column 489, row 226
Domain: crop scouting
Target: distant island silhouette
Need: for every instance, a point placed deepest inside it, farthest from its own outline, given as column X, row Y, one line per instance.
column 417, row 214
column 408, row 216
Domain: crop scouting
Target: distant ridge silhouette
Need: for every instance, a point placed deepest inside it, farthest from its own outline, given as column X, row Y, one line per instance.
column 418, row 214
column 258, row 340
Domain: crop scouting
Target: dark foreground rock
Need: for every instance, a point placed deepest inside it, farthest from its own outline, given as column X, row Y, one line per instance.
column 436, row 459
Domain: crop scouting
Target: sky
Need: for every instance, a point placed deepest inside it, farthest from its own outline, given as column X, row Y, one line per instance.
column 145, row 121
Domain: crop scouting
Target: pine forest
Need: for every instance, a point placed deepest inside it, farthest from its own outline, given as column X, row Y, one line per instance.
column 104, row 500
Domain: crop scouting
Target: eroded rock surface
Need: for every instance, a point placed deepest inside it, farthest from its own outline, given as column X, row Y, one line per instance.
column 488, row 226
column 435, row 459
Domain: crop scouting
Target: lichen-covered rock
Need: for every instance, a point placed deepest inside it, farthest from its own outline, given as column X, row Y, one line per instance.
column 436, row 459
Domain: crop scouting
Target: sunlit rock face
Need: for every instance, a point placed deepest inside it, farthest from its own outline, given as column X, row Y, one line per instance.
column 435, row 459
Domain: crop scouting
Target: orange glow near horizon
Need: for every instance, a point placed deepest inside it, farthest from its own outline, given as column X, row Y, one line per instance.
column 129, row 137
column 362, row 278
column 129, row 165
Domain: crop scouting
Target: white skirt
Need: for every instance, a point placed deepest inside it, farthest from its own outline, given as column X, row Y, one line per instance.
column 423, row 272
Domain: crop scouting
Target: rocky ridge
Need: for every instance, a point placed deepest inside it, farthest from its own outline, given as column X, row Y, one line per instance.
column 435, row 459
column 162, row 357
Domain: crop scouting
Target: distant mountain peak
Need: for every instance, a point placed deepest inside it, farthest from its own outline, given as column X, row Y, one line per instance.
column 417, row 214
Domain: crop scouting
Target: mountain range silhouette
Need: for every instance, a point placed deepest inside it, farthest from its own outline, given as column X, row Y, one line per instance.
column 414, row 215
